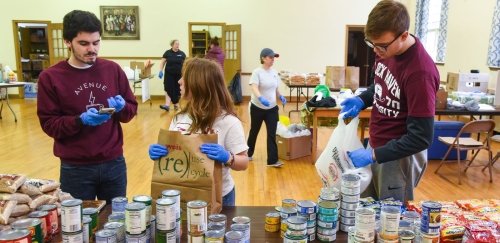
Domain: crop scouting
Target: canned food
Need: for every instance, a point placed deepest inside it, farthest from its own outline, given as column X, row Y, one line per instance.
column 295, row 239
column 311, row 230
column 330, row 225
column 429, row 238
column 197, row 217
column 328, row 207
column 328, row 218
column 140, row 238
column 105, row 236
column 176, row 195
column 288, row 203
column 345, row 228
column 166, row 214
column 216, row 226
column 311, row 223
column 195, row 238
column 15, row 236
column 348, row 213
column 307, row 206
column 116, row 217
column 294, row 234
column 166, row 236
column 348, row 206
column 118, row 204
column 389, row 222
column 287, row 212
column 380, row 239
column 244, row 229
column 326, row 231
column 296, row 223
column 34, row 226
column 75, row 237
column 329, row 194
column 147, row 201
column 350, row 180
column 364, row 225
column 272, row 218
column 214, row 236
column 153, row 228
column 272, row 227
column 241, row 220
column 44, row 217
column 86, row 232
column 93, row 213
column 431, row 217
column 71, row 216
column 217, row 218
column 234, row 237
column 406, row 236
column 135, row 218
column 119, row 228
column 350, row 198
column 350, row 190
column 327, row 238
column 54, row 217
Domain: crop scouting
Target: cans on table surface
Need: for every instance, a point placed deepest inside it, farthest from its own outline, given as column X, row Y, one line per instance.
column 71, row 216
column 234, row 237
column 286, row 212
column 389, row 222
column 431, row 220
column 244, row 229
column 328, row 207
column 329, row 194
column 147, row 201
column 175, row 194
column 214, row 236
column 105, row 236
column 87, row 232
column 195, row 238
column 117, row 217
column 294, row 239
column 165, row 236
column 217, row 218
column 326, row 238
column 74, row 237
column 216, row 226
column 272, row 223
column 93, row 213
column 166, row 214
column 135, row 218
column 34, row 226
column 153, row 229
column 17, row 236
column 350, row 180
column 364, row 230
column 241, row 220
column 406, row 236
column 119, row 228
column 139, row 238
column 287, row 202
column 197, row 217
column 54, row 217
column 118, row 204
column 307, row 206
column 296, row 223
column 44, row 217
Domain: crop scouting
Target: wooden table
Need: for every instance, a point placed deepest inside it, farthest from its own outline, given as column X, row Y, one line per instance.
column 495, row 112
column 6, row 86
column 256, row 214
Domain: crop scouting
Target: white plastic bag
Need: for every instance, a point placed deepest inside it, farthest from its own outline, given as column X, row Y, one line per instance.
column 334, row 161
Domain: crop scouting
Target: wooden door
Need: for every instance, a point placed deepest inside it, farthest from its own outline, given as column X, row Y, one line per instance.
column 57, row 49
column 358, row 54
column 232, row 48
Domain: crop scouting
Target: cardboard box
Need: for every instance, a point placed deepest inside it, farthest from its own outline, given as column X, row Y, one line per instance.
column 335, row 77
column 144, row 67
column 351, row 78
column 497, row 92
column 292, row 148
column 467, row 82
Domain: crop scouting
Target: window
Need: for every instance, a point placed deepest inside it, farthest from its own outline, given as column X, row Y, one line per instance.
column 494, row 47
column 431, row 27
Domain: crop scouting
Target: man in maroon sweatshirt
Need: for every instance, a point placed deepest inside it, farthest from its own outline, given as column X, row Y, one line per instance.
column 73, row 96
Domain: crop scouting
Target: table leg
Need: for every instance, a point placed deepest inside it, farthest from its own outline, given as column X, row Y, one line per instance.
column 8, row 105
column 314, row 138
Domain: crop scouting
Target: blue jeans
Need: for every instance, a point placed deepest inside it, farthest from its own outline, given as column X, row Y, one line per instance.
column 104, row 181
column 229, row 199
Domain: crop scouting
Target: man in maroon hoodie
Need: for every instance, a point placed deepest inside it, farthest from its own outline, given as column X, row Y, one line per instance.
column 73, row 96
column 215, row 52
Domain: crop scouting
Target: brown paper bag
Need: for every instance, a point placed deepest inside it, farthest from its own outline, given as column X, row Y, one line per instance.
column 335, row 76
column 352, row 78
column 188, row 170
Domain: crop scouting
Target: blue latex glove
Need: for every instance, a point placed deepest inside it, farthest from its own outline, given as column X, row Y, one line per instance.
column 283, row 99
column 361, row 157
column 92, row 117
column 216, row 152
column 160, row 74
column 352, row 106
column 157, row 150
column 116, row 102
column 264, row 101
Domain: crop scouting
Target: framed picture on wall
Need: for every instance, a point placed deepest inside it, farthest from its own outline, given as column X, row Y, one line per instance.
column 120, row 22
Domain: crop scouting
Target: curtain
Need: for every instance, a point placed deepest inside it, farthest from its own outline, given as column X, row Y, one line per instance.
column 494, row 49
column 443, row 29
column 421, row 19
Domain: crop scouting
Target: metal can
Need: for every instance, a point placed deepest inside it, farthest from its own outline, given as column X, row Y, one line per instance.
column 93, row 213
column 326, row 231
column 118, row 204
column 234, row 237
column 380, row 239
column 311, row 223
column 347, row 221
column 75, row 237
column 195, row 238
column 153, row 229
column 296, row 223
column 244, row 229
column 287, row 212
column 308, row 216
column 328, row 218
column 71, row 216
column 175, row 194
column 328, row 207
column 147, row 201
column 119, row 228
column 406, row 236
column 87, row 235
column 288, row 203
column 166, row 236
column 364, row 225
column 329, row 194
column 350, row 190
column 165, row 214
column 272, row 218
column 272, row 227
column 214, row 236
column 330, row 225
column 431, row 217
column 350, row 180
column 326, row 238
column 296, row 233
column 44, row 217
column 34, row 226
column 139, row 238
column 350, row 198
column 389, row 222
column 241, row 220
column 105, row 236
column 15, row 236
column 197, row 217
column 116, row 217
column 216, row 226
column 294, row 239
column 348, row 206
column 307, row 206
column 135, row 218
column 217, row 218
column 347, row 213
column 54, row 217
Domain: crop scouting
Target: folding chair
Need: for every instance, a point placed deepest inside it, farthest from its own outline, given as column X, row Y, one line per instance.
column 493, row 161
column 468, row 143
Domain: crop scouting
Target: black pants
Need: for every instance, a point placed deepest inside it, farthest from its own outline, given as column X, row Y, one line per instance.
column 270, row 117
column 172, row 87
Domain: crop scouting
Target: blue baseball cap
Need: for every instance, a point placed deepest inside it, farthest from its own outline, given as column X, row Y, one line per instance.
column 267, row 52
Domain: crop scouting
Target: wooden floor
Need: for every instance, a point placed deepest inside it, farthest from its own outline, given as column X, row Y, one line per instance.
column 25, row 149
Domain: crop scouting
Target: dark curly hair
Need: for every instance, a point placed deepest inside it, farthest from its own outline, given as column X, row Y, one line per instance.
column 77, row 21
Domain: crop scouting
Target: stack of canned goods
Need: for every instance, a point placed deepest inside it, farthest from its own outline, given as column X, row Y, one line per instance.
column 350, row 190
column 93, row 213
column 327, row 222
column 118, row 228
column 147, row 200
column 364, row 226
column 51, row 209
column 14, row 235
column 309, row 210
column 135, row 222
column 430, row 222
column 329, row 194
column 71, row 220
column 389, row 224
column 166, row 216
column 34, row 226
column 272, row 222
column 176, row 195
column 216, row 228
column 86, row 222
column 196, row 220
column 288, row 208
column 296, row 229
column 242, row 224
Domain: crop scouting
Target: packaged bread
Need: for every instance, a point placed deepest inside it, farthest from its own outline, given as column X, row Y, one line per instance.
column 34, row 187
column 41, row 200
column 297, row 79
column 62, row 196
column 20, row 210
column 19, row 197
column 313, row 78
column 6, row 208
column 11, row 182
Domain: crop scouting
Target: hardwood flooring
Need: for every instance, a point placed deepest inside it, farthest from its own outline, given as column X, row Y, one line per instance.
column 24, row 148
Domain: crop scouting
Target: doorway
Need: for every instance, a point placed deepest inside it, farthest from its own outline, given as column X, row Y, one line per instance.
column 359, row 54
column 32, row 49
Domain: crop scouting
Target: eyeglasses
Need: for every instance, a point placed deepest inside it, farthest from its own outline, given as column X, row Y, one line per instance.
column 382, row 48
